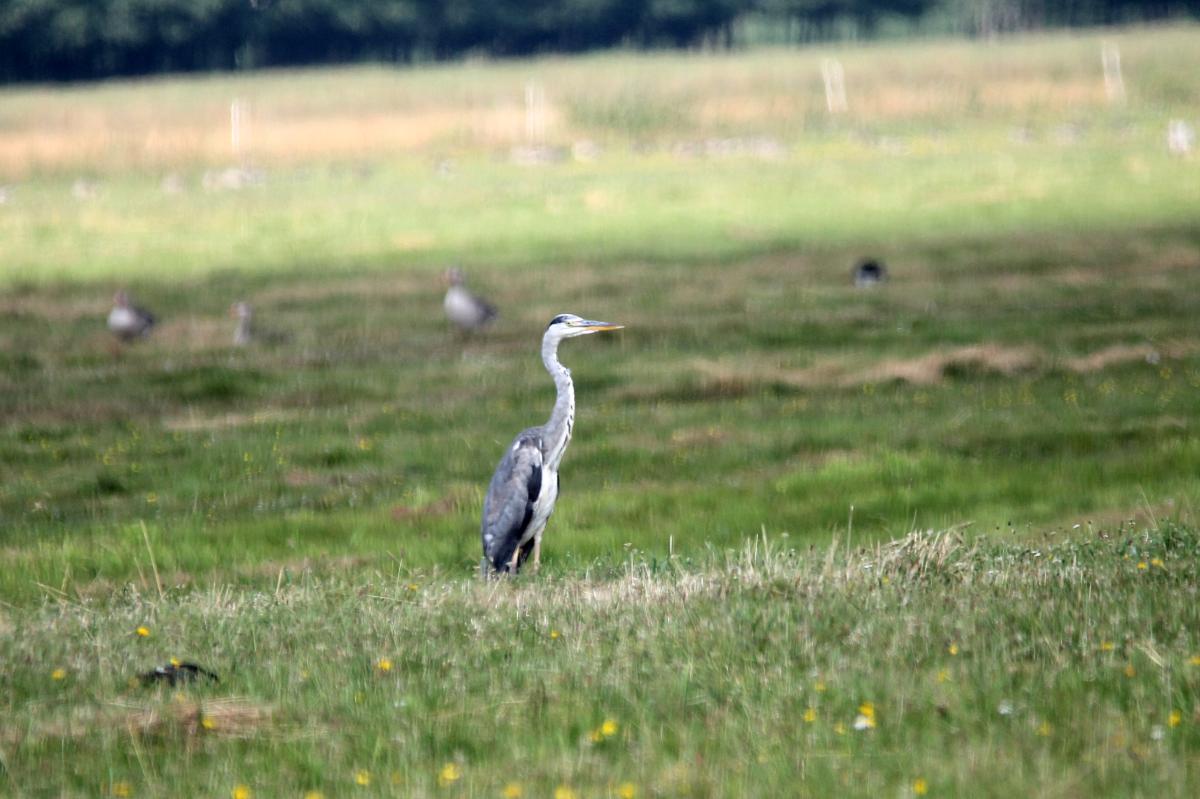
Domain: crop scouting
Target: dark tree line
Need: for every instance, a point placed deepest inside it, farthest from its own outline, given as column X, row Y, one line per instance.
column 82, row 39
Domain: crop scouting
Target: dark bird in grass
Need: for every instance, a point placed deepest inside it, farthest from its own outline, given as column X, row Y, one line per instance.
column 869, row 273
column 524, row 488
column 176, row 672
column 466, row 310
column 126, row 320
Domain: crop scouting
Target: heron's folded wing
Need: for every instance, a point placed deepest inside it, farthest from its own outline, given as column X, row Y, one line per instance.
column 508, row 507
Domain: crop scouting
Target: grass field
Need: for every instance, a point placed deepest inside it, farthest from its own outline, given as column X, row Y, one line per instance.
column 296, row 513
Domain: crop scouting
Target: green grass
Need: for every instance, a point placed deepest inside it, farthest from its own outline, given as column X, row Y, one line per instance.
column 989, row 670
column 1027, row 378
column 756, row 394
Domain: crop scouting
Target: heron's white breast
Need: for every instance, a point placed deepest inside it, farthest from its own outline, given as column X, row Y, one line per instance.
column 544, row 505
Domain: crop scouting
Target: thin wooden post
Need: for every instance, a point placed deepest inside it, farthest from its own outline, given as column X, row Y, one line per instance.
column 835, row 85
column 535, row 112
column 1114, row 82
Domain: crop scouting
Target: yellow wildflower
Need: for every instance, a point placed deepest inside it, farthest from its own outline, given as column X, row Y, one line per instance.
column 563, row 792
column 1106, row 646
column 383, row 664
column 207, row 723
column 176, row 662
column 596, row 736
column 626, row 790
column 512, row 791
column 58, row 674
column 1130, row 671
column 1142, row 565
column 839, row 728
column 1044, row 729
column 554, row 635
column 143, row 632
column 362, row 777
column 943, row 675
column 1174, row 719
column 952, row 649
column 449, row 774
column 609, row 728
column 1195, row 661
column 1157, row 562
column 314, row 795
column 920, row 787
column 241, row 792
column 810, row 715
column 866, row 717
column 121, row 790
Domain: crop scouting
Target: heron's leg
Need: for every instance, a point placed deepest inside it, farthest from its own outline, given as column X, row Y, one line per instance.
column 512, row 566
column 537, row 553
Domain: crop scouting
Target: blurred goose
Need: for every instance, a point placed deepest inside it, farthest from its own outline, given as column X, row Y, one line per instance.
column 247, row 331
column 126, row 320
column 463, row 308
column 244, row 314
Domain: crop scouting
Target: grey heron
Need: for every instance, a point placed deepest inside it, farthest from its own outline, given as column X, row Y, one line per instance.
column 524, row 488
column 466, row 310
column 126, row 320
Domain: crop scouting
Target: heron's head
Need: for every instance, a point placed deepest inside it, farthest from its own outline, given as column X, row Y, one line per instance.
column 568, row 325
column 454, row 276
column 121, row 299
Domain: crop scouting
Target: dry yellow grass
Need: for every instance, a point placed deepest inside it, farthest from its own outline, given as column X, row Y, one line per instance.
column 303, row 116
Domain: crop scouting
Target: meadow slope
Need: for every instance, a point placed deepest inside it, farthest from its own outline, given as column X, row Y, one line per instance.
column 924, row 666
column 301, row 514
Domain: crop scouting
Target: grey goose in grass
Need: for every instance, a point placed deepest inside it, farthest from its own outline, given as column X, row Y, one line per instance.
column 244, row 314
column 127, row 321
column 524, row 488
column 468, row 312
column 248, row 331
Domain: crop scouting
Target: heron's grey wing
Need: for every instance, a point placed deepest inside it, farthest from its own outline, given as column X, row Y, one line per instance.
column 508, row 508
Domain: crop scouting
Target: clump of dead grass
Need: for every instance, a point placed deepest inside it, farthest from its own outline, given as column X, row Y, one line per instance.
column 231, row 717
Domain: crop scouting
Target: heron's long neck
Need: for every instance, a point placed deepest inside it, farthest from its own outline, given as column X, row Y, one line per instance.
column 562, row 419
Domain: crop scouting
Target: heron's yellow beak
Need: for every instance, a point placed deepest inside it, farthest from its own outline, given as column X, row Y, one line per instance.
column 602, row 326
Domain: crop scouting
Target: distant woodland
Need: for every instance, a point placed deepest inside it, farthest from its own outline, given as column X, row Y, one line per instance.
column 58, row 40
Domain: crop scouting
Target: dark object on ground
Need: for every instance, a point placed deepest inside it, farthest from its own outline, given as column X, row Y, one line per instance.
column 869, row 273
column 176, row 672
